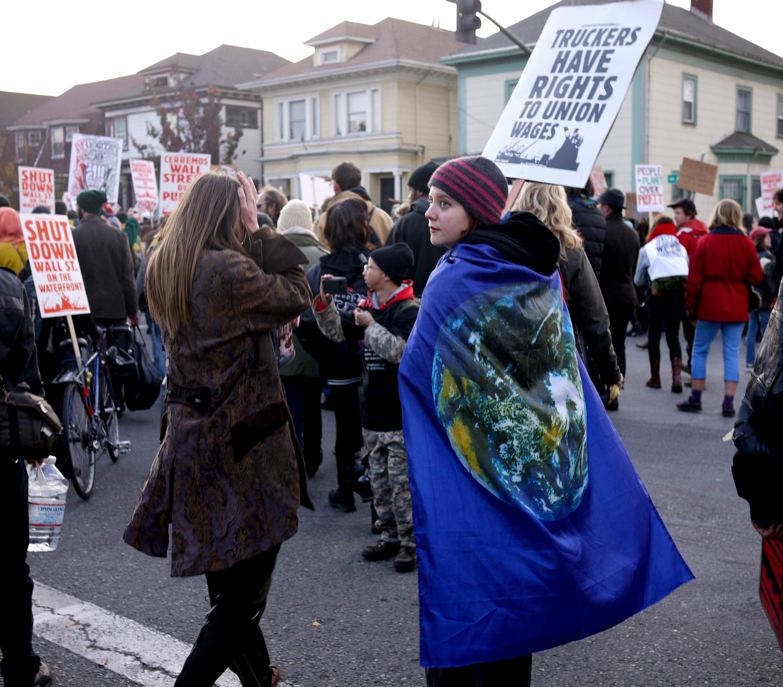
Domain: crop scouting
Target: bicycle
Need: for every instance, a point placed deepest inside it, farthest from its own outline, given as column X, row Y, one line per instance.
column 88, row 412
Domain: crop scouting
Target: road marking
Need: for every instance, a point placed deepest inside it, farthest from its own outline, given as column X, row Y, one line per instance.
column 139, row 653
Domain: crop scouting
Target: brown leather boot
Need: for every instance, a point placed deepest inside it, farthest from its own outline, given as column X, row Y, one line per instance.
column 654, row 382
column 676, row 375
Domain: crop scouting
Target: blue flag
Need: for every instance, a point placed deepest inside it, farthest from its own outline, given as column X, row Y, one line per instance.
column 532, row 527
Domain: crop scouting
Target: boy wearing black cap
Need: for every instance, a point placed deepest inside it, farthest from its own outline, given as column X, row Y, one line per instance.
column 384, row 320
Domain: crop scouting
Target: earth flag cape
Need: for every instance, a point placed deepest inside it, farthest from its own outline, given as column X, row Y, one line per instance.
column 532, row 526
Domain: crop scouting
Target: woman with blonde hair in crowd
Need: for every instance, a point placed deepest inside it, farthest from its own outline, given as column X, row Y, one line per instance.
column 723, row 266
column 588, row 311
column 227, row 477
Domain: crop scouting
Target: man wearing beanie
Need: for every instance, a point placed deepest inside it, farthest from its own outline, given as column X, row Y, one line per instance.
column 413, row 229
column 107, row 269
column 384, row 320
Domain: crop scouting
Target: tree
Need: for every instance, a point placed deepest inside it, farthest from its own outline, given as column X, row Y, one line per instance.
column 190, row 121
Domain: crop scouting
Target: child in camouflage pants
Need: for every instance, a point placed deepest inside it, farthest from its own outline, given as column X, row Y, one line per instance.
column 384, row 321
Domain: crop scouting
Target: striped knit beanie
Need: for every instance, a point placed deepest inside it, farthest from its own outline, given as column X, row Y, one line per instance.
column 475, row 183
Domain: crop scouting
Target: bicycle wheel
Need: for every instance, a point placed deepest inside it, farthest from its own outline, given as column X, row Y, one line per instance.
column 109, row 418
column 77, row 428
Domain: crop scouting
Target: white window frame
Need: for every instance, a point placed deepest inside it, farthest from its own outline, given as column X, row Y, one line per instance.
column 35, row 137
column 124, row 135
column 70, row 130
column 330, row 56
column 689, row 78
column 779, row 118
column 748, row 112
column 58, row 142
column 374, row 114
column 20, row 144
column 311, row 112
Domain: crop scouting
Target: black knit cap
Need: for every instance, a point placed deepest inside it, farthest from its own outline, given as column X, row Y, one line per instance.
column 419, row 180
column 91, row 201
column 477, row 184
column 395, row 261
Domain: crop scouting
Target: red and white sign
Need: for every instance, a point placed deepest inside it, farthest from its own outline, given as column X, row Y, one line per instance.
column 649, row 188
column 145, row 186
column 177, row 172
column 56, row 272
column 36, row 187
column 770, row 182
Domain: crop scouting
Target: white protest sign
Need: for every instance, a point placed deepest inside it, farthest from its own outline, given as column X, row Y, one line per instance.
column 649, row 188
column 770, row 182
column 95, row 164
column 314, row 190
column 760, row 207
column 145, row 187
column 556, row 121
column 36, row 187
column 177, row 172
column 55, row 267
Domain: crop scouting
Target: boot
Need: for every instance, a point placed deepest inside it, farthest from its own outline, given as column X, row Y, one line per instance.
column 654, row 382
column 676, row 375
column 405, row 560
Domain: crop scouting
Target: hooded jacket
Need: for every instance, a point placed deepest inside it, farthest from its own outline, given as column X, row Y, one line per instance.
column 591, row 225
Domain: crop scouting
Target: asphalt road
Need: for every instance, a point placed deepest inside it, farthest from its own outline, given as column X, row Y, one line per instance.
column 335, row 620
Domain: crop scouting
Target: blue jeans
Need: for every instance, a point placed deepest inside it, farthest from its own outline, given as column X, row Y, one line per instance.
column 731, row 333
column 757, row 322
column 156, row 339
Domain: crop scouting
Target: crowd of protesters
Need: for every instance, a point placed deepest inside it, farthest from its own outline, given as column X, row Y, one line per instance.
column 264, row 313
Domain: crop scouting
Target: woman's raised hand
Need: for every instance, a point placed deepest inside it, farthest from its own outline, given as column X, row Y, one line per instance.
column 248, row 197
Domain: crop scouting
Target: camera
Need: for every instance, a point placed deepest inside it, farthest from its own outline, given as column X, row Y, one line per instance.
column 335, row 285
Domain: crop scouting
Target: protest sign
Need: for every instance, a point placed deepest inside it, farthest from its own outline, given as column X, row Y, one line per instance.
column 571, row 90
column 55, row 267
column 177, row 172
column 598, row 180
column 95, row 164
column 770, row 182
column 697, row 176
column 145, row 187
column 314, row 190
column 761, row 209
column 649, row 188
column 36, row 187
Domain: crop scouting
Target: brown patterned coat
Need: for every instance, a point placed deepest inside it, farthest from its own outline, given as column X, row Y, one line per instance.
column 226, row 479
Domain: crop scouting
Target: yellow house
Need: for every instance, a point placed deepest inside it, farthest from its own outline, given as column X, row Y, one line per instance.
column 376, row 95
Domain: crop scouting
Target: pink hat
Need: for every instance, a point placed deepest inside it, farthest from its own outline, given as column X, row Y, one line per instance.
column 759, row 232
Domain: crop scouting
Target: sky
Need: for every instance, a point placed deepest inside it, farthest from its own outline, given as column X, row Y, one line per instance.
column 59, row 50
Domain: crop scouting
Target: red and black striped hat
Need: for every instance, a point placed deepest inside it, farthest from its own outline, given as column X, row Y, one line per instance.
column 475, row 183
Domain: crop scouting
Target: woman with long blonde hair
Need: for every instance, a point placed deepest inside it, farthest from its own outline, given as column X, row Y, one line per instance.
column 227, row 476
column 588, row 311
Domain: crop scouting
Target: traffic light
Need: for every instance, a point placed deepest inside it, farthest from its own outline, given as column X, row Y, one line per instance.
column 467, row 21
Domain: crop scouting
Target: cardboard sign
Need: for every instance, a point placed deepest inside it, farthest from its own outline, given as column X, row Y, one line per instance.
column 36, row 187
column 314, row 190
column 55, row 267
column 145, row 187
column 598, row 180
column 177, row 172
column 95, row 164
column 649, row 188
column 698, row 177
column 770, row 182
column 569, row 94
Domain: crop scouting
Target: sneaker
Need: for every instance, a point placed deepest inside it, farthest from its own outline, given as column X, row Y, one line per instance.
column 689, row 406
column 382, row 550
column 340, row 503
column 43, row 678
column 405, row 560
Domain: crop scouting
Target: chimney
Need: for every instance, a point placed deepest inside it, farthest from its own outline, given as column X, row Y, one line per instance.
column 702, row 8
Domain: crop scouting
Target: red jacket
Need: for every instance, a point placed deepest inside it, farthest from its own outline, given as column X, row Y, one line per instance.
column 690, row 232
column 722, row 265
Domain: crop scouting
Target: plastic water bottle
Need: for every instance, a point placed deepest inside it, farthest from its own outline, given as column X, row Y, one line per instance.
column 47, row 489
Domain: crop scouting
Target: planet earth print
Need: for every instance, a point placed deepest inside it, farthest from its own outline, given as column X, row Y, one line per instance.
column 507, row 390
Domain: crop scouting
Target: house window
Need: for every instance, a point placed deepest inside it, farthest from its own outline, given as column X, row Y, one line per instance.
column 734, row 187
column 34, row 138
column 358, row 112
column 241, row 118
column 118, row 126
column 779, row 125
column 330, row 56
column 689, row 89
column 508, row 89
column 158, row 81
column 281, row 121
column 21, row 143
column 314, row 116
column 297, row 119
column 58, row 143
column 755, row 190
column 743, row 109
column 609, row 178
column 69, row 132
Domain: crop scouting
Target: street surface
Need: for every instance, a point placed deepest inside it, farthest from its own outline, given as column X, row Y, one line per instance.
column 334, row 620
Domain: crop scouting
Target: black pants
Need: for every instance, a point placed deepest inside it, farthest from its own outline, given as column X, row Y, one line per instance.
column 349, row 440
column 19, row 664
column 231, row 637
column 665, row 316
column 619, row 317
column 515, row 672
column 303, row 395
column 688, row 331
